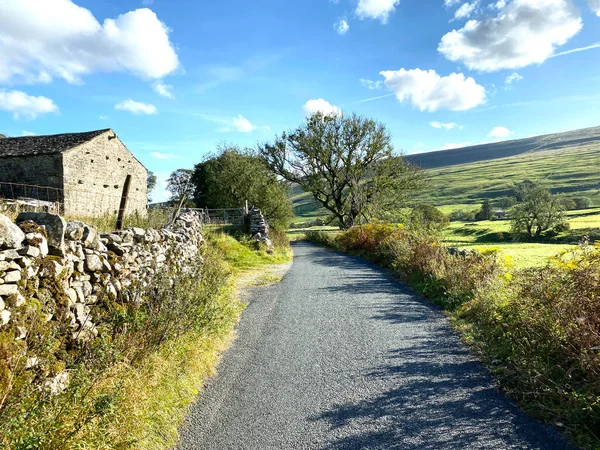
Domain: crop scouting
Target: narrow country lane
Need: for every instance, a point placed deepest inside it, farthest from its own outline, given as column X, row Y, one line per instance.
column 340, row 356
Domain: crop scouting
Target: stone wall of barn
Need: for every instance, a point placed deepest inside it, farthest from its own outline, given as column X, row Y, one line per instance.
column 43, row 174
column 95, row 174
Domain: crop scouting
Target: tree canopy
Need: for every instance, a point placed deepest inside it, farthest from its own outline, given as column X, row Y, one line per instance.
column 232, row 176
column 538, row 212
column 348, row 164
column 179, row 184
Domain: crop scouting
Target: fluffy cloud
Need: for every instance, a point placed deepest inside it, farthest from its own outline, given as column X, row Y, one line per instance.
column 163, row 156
column 453, row 146
column 242, row 125
column 341, row 27
column 465, row 10
column 595, row 5
column 376, row 9
column 451, row 3
column 136, row 107
column 513, row 77
column 165, row 90
column 23, row 105
column 500, row 132
column 322, row 106
column 373, row 85
column 41, row 39
column 429, row 91
column 445, row 126
column 524, row 32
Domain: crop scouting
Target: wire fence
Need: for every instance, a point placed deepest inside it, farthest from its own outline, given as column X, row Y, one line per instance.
column 102, row 207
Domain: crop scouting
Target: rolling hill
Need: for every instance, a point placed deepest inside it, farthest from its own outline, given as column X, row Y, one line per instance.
column 567, row 163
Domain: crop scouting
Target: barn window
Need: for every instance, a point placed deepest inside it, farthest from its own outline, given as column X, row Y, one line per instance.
column 106, row 185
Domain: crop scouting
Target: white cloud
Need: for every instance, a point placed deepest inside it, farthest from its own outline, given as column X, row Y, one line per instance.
column 465, row 10
column 376, row 9
column 595, row 5
column 163, row 156
column 28, row 133
column 103, row 117
column 242, row 125
column 524, row 32
column 21, row 104
column 429, row 91
column 512, row 78
column 41, row 39
column 446, row 126
column 341, row 27
column 373, row 85
column 453, row 146
column 136, row 107
column 500, row 132
column 451, row 3
column 165, row 90
column 319, row 105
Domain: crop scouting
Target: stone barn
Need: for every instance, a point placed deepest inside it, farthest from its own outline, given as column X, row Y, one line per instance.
column 89, row 174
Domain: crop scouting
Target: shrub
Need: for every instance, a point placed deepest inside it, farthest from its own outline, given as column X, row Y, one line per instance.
column 582, row 202
column 322, row 238
column 427, row 218
column 461, row 215
column 540, row 333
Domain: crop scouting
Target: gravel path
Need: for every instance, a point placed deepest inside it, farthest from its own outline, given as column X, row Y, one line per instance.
column 340, row 356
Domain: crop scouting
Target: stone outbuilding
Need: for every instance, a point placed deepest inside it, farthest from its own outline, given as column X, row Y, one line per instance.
column 89, row 174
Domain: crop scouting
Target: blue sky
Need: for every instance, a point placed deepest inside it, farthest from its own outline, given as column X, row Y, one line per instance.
column 174, row 78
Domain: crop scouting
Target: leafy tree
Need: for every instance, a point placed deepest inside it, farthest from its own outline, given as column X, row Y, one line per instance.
column 568, row 203
column 347, row 163
column 508, row 202
column 538, row 212
column 151, row 183
column 179, row 184
column 522, row 188
column 428, row 218
column 582, row 202
column 486, row 212
column 229, row 178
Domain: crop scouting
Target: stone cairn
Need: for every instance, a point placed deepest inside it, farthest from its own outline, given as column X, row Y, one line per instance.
column 87, row 265
column 259, row 229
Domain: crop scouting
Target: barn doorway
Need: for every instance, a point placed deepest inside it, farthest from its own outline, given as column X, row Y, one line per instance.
column 123, row 205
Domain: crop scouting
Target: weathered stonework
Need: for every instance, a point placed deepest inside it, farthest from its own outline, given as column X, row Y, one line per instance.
column 88, row 175
column 88, row 266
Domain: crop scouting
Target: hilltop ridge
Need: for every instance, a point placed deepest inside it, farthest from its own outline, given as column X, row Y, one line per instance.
column 505, row 149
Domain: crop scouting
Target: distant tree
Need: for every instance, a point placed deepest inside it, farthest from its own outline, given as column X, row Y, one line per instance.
column 522, row 188
column 486, row 212
column 232, row 176
column 151, row 183
column 567, row 203
column 179, row 184
column 462, row 215
column 582, row 202
column 347, row 164
column 538, row 212
column 428, row 218
column 507, row 202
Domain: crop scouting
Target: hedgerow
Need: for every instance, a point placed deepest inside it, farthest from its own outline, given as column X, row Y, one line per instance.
column 538, row 330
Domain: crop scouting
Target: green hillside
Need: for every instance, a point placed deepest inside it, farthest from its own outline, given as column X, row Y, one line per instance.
column 567, row 163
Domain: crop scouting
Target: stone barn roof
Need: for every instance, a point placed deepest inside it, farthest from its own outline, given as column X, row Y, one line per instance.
column 45, row 145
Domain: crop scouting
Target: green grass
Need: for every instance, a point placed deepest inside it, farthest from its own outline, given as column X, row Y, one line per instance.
column 243, row 257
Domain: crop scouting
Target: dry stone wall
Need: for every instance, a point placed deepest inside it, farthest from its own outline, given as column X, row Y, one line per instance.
column 67, row 267
column 259, row 229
